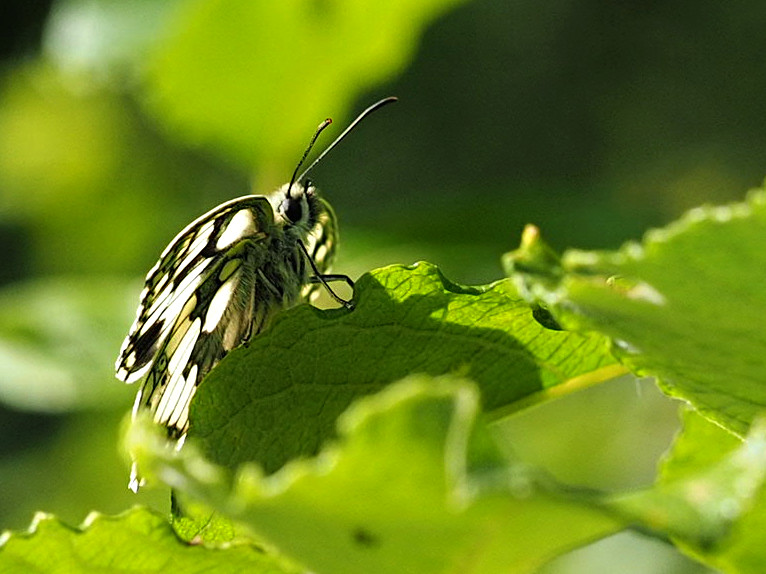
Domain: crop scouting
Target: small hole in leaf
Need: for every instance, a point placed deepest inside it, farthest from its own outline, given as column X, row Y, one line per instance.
column 544, row 317
column 365, row 538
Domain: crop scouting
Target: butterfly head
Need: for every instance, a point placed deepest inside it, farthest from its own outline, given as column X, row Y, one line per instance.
column 298, row 205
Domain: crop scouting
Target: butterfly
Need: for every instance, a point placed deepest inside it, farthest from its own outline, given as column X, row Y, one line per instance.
column 221, row 281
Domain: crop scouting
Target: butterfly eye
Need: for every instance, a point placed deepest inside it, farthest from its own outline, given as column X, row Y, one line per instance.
column 291, row 209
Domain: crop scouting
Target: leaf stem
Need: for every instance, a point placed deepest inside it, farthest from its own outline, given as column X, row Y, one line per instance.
column 573, row 385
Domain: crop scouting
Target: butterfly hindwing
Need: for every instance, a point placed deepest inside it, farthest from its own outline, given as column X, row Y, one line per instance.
column 321, row 244
column 216, row 318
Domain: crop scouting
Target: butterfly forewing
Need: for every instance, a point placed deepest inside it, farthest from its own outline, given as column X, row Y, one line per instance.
column 182, row 268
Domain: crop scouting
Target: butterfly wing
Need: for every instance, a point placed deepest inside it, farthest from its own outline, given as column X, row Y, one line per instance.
column 197, row 305
column 321, row 244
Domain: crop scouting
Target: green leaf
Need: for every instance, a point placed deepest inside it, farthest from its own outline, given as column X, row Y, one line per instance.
column 711, row 496
column 700, row 445
column 744, row 550
column 137, row 541
column 280, row 397
column 414, row 484
column 687, row 305
column 255, row 78
column 701, row 506
column 58, row 353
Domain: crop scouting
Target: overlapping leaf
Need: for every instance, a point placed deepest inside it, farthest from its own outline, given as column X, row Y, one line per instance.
column 687, row 305
column 414, row 483
column 137, row 541
column 711, row 489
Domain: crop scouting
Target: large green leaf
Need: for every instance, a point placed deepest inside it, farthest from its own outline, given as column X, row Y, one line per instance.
column 687, row 305
column 137, row 541
column 414, row 484
column 280, row 397
column 254, row 77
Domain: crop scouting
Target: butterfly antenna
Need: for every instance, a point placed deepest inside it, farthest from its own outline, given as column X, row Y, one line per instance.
column 320, row 129
column 374, row 107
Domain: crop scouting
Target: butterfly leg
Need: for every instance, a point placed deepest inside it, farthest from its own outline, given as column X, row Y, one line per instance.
column 325, row 279
column 333, row 277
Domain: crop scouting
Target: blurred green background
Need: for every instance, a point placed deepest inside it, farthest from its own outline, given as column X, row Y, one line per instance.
column 122, row 121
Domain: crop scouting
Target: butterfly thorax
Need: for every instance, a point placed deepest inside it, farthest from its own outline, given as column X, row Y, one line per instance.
column 277, row 275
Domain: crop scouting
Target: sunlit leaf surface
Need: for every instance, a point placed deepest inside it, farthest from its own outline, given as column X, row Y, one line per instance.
column 686, row 305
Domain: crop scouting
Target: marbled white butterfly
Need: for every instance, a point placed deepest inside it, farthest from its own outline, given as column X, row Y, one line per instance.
column 221, row 281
